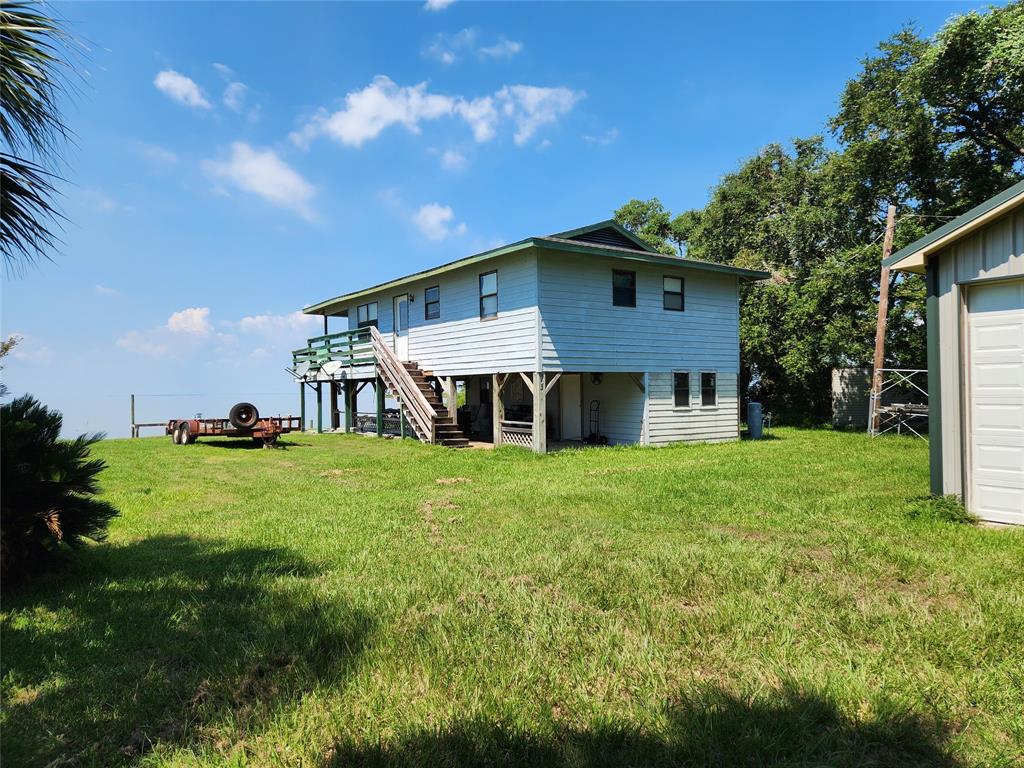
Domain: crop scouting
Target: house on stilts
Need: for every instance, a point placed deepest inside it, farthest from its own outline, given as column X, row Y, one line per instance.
column 586, row 335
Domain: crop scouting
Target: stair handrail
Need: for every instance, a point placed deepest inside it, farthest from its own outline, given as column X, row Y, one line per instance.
column 423, row 417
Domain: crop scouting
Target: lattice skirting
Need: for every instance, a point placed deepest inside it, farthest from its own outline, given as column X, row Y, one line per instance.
column 517, row 436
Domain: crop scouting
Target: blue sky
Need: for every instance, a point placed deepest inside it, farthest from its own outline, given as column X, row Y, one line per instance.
column 235, row 162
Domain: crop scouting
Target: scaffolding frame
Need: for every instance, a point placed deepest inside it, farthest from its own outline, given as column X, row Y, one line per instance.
column 888, row 417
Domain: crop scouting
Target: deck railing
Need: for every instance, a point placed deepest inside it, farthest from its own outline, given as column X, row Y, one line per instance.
column 420, row 413
column 333, row 353
column 347, row 349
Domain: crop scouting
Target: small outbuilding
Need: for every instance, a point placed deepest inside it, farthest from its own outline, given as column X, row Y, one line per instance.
column 974, row 270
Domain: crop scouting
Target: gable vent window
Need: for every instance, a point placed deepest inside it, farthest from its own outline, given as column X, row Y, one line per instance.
column 623, row 288
column 432, row 303
column 672, row 291
column 366, row 315
column 488, row 295
column 681, row 386
column 708, row 388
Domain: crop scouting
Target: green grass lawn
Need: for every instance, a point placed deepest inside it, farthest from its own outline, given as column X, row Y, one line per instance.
column 353, row 601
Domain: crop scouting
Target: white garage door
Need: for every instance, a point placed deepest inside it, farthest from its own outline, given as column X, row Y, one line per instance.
column 996, row 354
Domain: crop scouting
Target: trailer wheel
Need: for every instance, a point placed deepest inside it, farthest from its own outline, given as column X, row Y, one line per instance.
column 243, row 416
column 185, row 434
column 176, row 437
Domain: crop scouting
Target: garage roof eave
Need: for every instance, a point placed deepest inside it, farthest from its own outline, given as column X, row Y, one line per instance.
column 914, row 257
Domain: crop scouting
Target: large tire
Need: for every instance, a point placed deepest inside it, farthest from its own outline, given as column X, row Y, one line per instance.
column 243, row 416
column 176, row 434
column 185, row 436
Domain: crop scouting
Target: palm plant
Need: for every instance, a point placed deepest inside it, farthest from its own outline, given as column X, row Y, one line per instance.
column 32, row 68
column 47, row 489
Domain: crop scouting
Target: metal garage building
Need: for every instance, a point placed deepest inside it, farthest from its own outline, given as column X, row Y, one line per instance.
column 974, row 268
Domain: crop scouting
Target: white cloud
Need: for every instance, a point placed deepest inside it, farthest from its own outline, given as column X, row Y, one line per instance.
column 181, row 88
column 435, row 222
column 102, row 290
column 234, row 96
column 449, row 48
column 437, row 5
column 531, row 107
column 263, row 173
column 278, row 325
column 30, row 349
column 603, row 139
column 100, row 201
column 194, row 321
column 379, row 105
column 503, row 49
column 383, row 103
column 452, row 160
column 186, row 330
column 482, row 117
column 224, row 70
column 156, row 153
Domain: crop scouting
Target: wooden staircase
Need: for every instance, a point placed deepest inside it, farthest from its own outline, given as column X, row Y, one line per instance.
column 446, row 431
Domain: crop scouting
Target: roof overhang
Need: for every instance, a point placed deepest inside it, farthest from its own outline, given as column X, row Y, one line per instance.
column 914, row 258
column 337, row 306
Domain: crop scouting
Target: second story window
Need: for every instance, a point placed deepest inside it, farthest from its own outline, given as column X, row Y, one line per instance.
column 488, row 295
column 672, row 292
column 432, row 303
column 366, row 315
column 623, row 288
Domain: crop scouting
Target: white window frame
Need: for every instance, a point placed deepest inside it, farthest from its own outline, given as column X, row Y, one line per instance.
column 689, row 402
column 700, row 389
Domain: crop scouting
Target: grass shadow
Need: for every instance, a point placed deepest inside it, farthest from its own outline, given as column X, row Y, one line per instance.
column 161, row 644
column 716, row 728
column 243, row 443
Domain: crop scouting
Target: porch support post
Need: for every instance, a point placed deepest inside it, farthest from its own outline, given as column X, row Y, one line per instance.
column 319, row 407
column 335, row 416
column 348, row 386
column 302, row 406
column 449, row 388
column 378, row 387
column 540, row 413
column 497, row 408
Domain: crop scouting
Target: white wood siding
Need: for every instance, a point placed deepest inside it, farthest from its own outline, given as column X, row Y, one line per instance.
column 621, row 414
column 459, row 343
column 996, row 250
column 582, row 331
column 668, row 424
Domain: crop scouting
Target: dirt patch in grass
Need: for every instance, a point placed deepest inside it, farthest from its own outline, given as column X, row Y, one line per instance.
column 428, row 510
column 344, row 472
column 452, row 480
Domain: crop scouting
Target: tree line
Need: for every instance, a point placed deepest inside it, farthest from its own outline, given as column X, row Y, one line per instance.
column 933, row 126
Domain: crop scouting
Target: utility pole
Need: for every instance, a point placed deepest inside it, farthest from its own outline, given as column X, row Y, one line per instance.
column 883, row 316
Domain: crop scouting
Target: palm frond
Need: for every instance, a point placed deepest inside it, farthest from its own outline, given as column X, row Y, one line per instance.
column 34, row 69
column 27, row 213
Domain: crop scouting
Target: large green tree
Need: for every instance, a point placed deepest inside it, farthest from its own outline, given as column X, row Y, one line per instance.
column 933, row 126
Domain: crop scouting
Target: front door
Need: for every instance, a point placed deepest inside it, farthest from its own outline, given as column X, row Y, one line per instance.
column 571, row 406
column 995, row 321
column 401, row 334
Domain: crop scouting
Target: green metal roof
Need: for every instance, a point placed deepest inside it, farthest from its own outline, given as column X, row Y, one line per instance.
column 958, row 223
column 557, row 242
